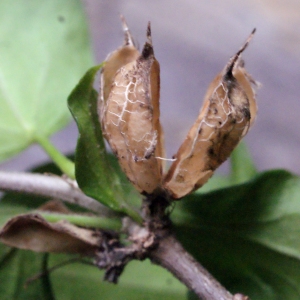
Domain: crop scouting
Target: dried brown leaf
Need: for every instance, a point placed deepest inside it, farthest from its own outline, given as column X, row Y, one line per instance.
column 33, row 232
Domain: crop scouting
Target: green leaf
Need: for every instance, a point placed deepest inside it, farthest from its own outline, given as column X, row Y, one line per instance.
column 215, row 183
column 128, row 191
column 44, row 49
column 242, row 166
column 248, row 236
column 93, row 169
column 16, row 267
column 140, row 280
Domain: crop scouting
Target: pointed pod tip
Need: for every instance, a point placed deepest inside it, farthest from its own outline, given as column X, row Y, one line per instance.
column 149, row 36
column 128, row 39
column 148, row 48
column 236, row 58
column 245, row 45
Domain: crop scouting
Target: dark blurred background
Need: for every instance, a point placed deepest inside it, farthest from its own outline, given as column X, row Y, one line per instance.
column 193, row 41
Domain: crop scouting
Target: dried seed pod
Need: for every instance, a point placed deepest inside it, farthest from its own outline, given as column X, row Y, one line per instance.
column 115, row 60
column 130, row 117
column 228, row 111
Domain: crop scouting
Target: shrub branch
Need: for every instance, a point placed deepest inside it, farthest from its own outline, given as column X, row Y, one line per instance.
column 164, row 249
column 51, row 186
column 172, row 256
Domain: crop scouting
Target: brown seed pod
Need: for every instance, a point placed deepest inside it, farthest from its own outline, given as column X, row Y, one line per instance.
column 228, row 111
column 129, row 114
column 115, row 60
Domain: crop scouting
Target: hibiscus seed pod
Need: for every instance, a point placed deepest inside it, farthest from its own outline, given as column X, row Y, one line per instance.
column 228, row 111
column 130, row 116
column 115, row 60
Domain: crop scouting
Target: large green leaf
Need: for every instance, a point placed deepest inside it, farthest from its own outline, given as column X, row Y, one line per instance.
column 140, row 280
column 44, row 49
column 242, row 166
column 128, row 191
column 248, row 235
column 16, row 267
column 95, row 173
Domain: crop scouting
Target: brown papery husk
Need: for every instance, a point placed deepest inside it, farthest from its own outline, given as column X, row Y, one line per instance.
column 114, row 61
column 228, row 111
column 131, row 120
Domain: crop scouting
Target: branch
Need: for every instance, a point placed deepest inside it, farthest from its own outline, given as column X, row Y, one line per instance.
column 171, row 255
column 49, row 186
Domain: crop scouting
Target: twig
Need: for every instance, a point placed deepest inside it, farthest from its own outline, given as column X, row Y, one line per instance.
column 49, row 186
column 171, row 255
